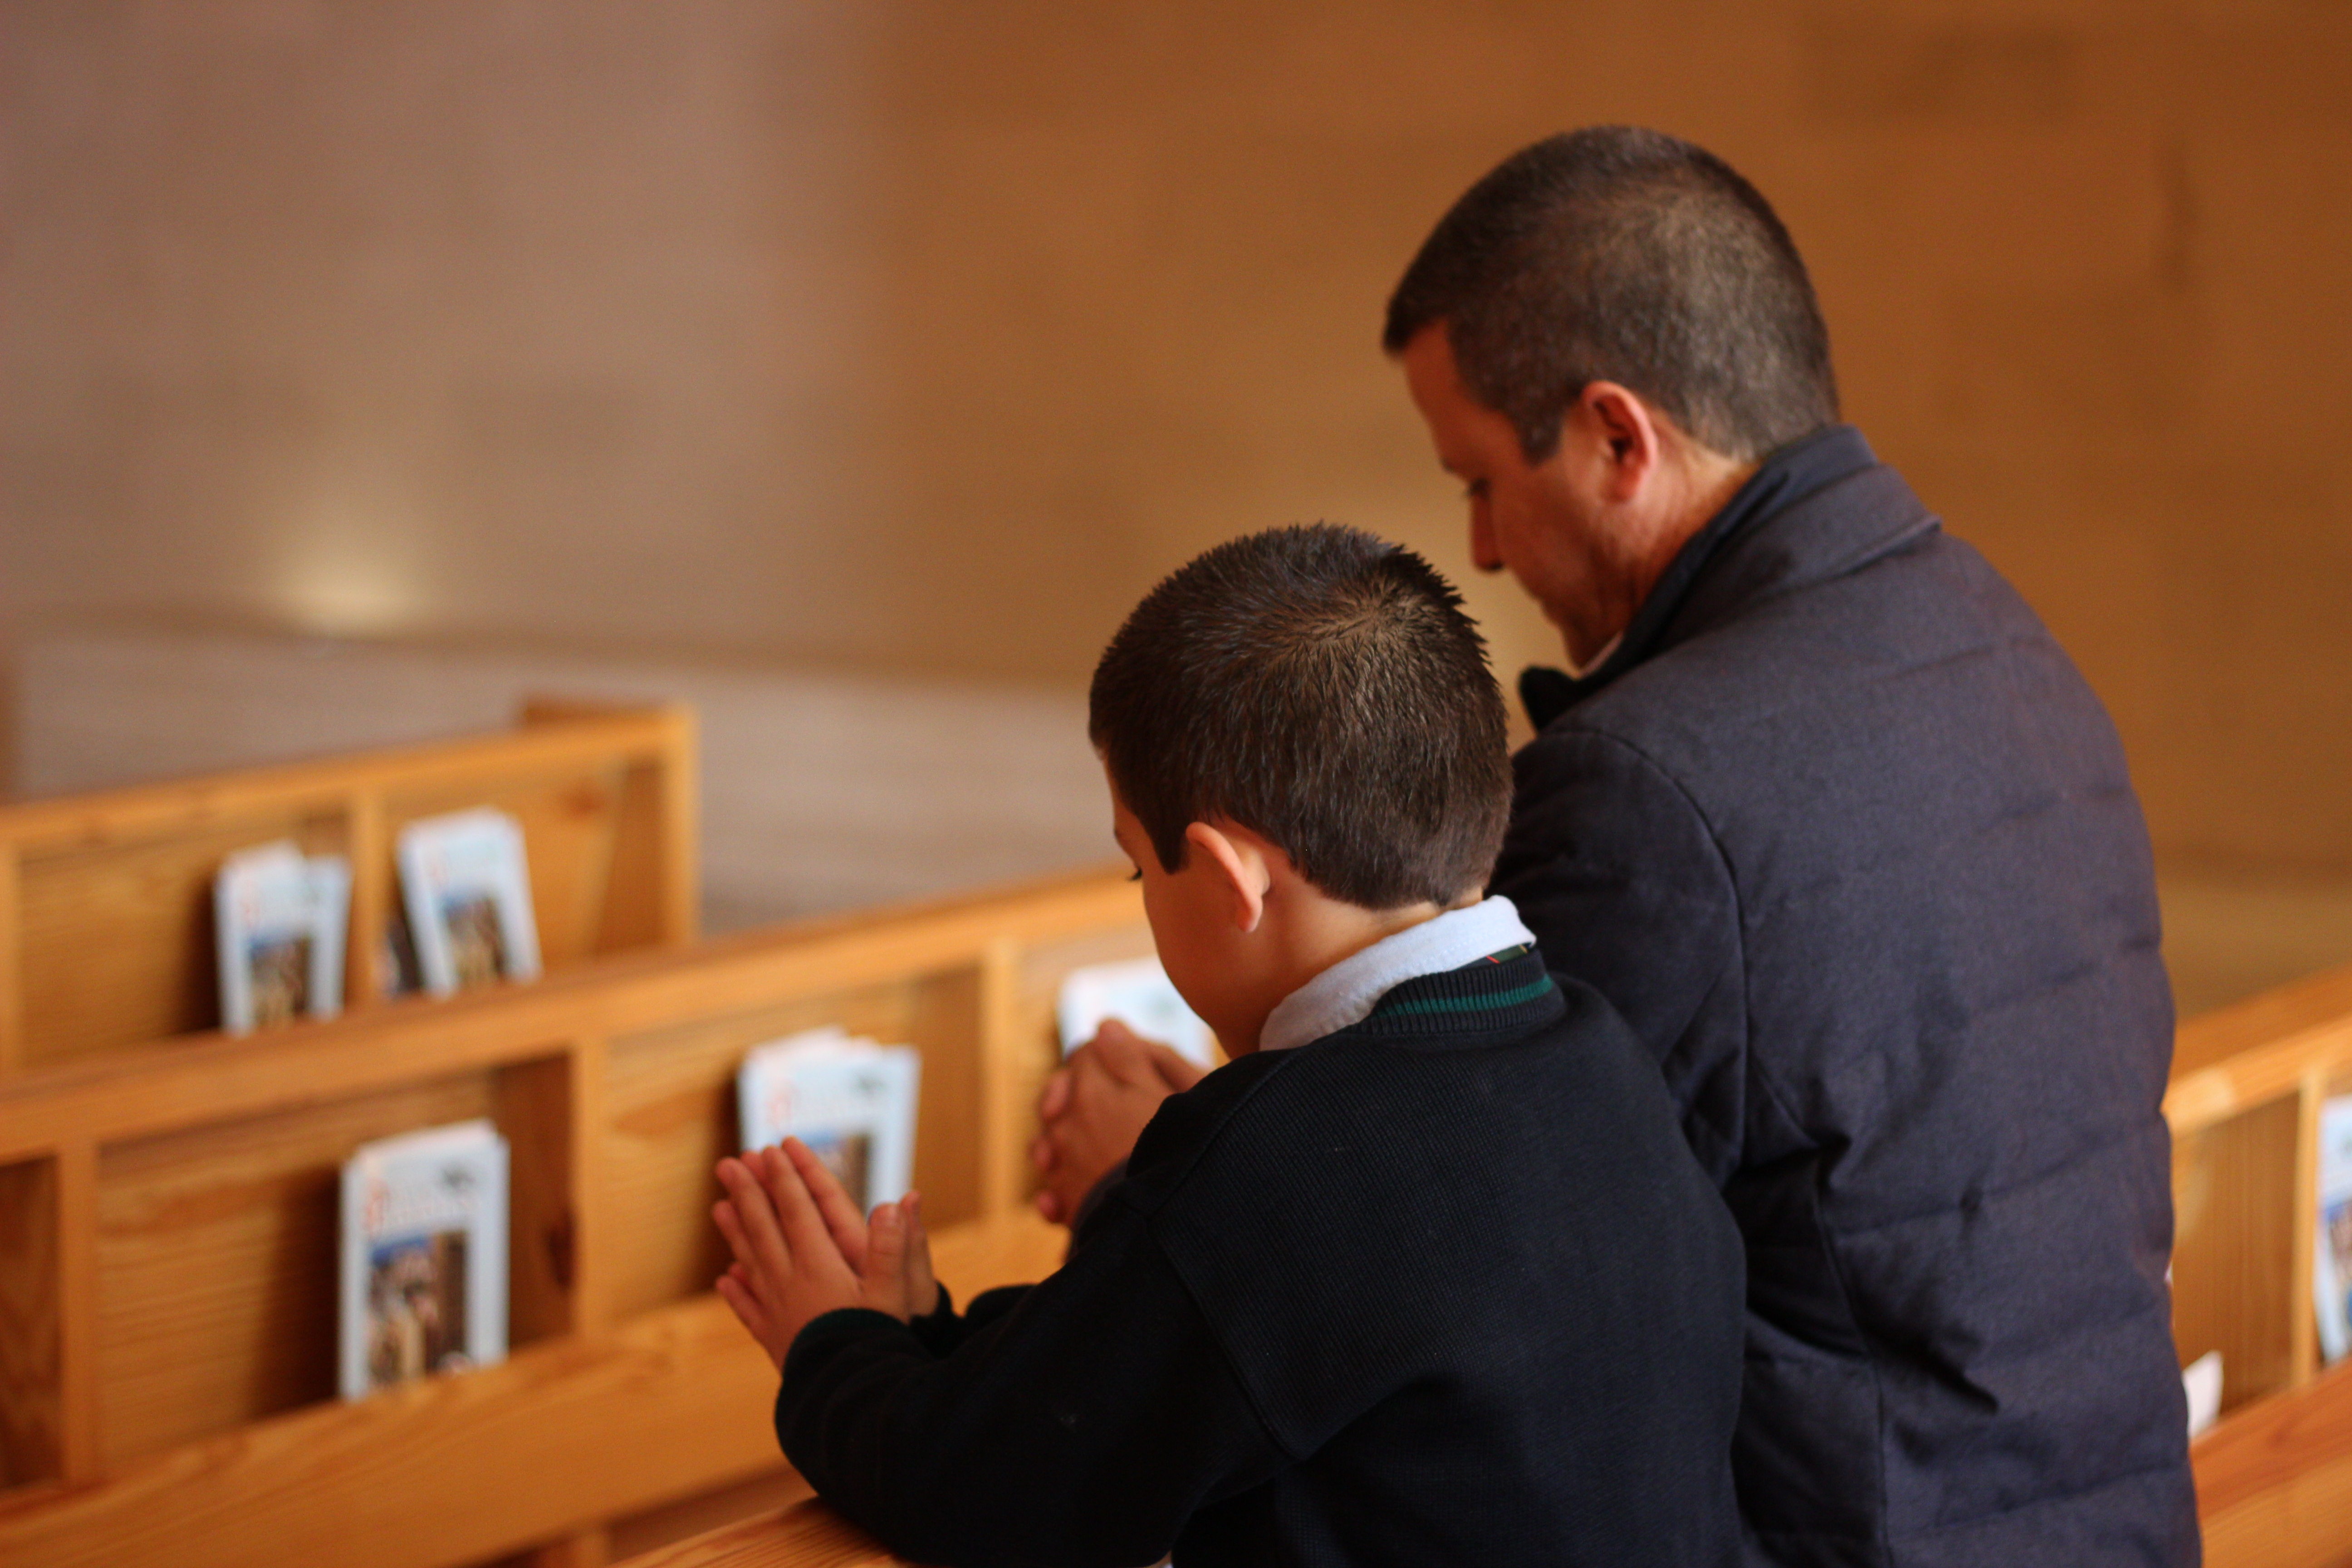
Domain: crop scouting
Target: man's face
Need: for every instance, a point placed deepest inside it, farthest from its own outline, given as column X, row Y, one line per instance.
column 1530, row 518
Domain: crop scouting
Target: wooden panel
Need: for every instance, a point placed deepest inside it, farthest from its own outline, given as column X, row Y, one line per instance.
column 2274, row 1482
column 12, row 971
column 459, row 1469
column 635, row 910
column 216, row 1260
column 32, row 1387
column 116, row 934
column 1032, row 1045
column 567, row 818
column 809, row 1535
column 533, row 1104
column 367, row 960
column 147, row 1089
column 2233, row 1274
column 762, row 1495
column 670, row 1098
column 2258, row 1049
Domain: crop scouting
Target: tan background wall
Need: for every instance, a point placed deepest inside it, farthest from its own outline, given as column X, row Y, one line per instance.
column 923, row 336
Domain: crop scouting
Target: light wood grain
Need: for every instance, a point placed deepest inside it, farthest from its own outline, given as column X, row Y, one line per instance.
column 806, row 1535
column 106, row 925
column 2258, row 1049
column 217, row 1262
column 2234, row 1276
column 457, row 1469
column 32, row 1389
column 2274, row 1482
column 145, row 1089
column 12, row 967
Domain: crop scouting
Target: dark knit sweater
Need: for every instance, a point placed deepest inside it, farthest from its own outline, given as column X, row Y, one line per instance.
column 1444, row 1286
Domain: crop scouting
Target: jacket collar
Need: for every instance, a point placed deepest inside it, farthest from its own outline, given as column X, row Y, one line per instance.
column 1816, row 509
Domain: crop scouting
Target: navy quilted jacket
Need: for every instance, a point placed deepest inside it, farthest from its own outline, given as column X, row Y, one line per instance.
column 1844, row 833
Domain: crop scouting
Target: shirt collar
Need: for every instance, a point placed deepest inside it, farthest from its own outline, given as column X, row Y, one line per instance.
column 1346, row 993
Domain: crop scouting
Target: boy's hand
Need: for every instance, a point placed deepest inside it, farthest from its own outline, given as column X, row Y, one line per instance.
column 793, row 1231
column 1096, row 1107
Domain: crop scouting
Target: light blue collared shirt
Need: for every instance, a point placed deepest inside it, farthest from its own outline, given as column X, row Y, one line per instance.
column 1346, row 993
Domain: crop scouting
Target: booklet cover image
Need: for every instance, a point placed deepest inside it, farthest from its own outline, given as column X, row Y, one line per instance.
column 468, row 892
column 851, row 1101
column 424, row 1257
column 2331, row 1270
column 280, row 917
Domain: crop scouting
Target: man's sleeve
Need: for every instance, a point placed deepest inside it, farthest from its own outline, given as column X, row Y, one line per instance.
column 1619, row 875
column 1081, row 1426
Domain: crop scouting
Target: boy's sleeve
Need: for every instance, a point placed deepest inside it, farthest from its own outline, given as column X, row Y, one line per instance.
column 1083, row 1426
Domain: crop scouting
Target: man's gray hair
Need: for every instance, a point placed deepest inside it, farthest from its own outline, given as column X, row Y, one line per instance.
column 1619, row 254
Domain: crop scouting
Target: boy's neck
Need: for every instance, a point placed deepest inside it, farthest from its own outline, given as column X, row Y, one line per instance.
column 1317, row 932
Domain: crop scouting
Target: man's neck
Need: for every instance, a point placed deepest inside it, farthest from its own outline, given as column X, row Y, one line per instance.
column 1698, row 484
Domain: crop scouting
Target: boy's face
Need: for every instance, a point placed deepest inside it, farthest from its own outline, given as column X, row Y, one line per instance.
column 1190, row 913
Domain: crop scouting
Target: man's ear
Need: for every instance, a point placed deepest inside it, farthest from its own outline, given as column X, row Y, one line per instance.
column 1630, row 431
column 1239, row 868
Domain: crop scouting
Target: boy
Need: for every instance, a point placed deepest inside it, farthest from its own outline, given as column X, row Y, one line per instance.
column 1425, row 1275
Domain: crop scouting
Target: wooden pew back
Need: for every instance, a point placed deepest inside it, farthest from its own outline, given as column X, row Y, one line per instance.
column 168, row 1310
column 106, row 926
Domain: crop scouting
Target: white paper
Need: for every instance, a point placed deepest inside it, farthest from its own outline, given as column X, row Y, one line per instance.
column 280, row 920
column 1139, row 993
column 2201, row 1380
column 851, row 1101
column 2331, row 1270
column 467, row 892
column 423, row 1272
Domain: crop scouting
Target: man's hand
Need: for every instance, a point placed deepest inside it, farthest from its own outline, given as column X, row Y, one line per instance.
column 1094, row 1109
column 802, row 1249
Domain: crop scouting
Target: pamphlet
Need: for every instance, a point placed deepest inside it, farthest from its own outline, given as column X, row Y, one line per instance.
column 2331, row 1262
column 1139, row 993
column 850, row 1099
column 467, row 892
column 424, row 1257
column 280, row 919
column 2201, row 1380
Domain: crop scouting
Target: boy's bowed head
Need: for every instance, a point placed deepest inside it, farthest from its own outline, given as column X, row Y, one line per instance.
column 1305, row 753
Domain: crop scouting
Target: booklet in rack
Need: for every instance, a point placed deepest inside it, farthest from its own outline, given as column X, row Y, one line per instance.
column 467, row 894
column 1139, row 993
column 850, row 1099
column 424, row 1257
column 280, row 917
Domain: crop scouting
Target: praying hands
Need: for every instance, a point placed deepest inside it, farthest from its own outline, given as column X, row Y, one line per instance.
column 802, row 1249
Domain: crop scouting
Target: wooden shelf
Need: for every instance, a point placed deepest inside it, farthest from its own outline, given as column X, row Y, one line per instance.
column 165, row 1350
column 106, row 926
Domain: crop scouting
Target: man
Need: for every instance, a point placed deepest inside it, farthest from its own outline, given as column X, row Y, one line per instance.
column 1832, row 821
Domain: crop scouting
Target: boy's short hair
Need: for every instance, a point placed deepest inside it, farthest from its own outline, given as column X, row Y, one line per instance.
column 1322, row 687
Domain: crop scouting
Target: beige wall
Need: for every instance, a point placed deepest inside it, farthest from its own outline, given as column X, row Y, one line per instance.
column 925, row 335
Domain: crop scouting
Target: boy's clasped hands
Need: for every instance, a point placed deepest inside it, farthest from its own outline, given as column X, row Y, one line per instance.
column 802, row 1249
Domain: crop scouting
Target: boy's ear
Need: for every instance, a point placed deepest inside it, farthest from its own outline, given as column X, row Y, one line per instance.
column 1238, row 869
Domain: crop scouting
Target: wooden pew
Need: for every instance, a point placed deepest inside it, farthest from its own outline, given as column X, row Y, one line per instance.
column 2274, row 1476
column 167, row 1245
column 106, row 926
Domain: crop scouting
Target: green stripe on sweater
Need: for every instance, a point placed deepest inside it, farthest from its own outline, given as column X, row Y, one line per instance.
column 1527, row 992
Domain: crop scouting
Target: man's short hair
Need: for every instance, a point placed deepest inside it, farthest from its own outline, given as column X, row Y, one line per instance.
column 1625, row 255
column 1321, row 688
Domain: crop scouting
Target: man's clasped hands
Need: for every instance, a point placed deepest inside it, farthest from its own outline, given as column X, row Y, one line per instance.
column 802, row 1249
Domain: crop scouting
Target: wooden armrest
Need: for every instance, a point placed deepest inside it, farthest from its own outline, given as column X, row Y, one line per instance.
column 2275, row 1479
column 806, row 1535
